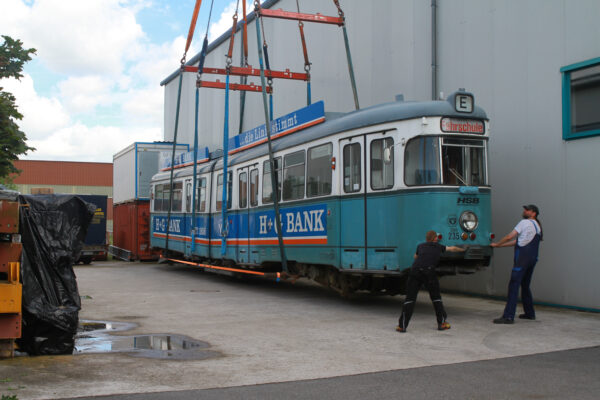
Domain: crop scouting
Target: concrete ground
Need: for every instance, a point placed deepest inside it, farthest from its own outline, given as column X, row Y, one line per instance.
column 267, row 332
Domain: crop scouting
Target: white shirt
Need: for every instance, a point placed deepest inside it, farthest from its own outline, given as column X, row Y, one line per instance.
column 526, row 230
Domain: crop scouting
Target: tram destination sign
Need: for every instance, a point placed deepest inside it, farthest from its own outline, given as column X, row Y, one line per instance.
column 292, row 122
column 458, row 125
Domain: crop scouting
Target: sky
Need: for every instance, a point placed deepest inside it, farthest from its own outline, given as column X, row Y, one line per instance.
column 93, row 87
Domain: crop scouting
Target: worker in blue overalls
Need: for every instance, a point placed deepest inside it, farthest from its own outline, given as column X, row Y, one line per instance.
column 526, row 238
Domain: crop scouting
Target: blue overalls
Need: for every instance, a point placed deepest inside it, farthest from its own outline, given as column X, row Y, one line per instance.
column 525, row 259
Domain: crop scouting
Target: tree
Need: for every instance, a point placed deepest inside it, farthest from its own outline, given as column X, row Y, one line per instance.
column 12, row 139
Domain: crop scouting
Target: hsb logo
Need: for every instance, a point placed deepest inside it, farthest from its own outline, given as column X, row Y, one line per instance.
column 467, row 200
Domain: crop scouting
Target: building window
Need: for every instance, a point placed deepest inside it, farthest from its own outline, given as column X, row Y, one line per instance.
column 581, row 99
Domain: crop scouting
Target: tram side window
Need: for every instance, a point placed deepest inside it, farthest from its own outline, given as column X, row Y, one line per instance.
column 201, row 195
column 159, row 202
column 422, row 161
column 188, row 196
column 254, row 188
column 382, row 173
column 319, row 170
column 293, row 176
column 243, row 189
column 219, row 202
column 176, row 205
column 267, row 189
column 463, row 162
column 352, row 168
column 157, row 198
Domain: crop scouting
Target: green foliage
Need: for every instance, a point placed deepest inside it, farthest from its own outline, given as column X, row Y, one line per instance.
column 12, row 139
column 7, row 397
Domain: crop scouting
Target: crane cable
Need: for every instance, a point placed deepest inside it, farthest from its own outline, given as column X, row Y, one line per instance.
column 267, row 64
column 274, row 191
column 198, row 79
column 182, row 62
column 348, row 56
column 243, row 63
column 224, row 202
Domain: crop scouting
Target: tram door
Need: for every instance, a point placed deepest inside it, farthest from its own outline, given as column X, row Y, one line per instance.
column 352, row 203
column 243, row 232
column 364, row 212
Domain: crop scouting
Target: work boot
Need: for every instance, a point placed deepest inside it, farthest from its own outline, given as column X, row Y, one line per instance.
column 503, row 320
column 400, row 329
column 443, row 326
column 525, row 316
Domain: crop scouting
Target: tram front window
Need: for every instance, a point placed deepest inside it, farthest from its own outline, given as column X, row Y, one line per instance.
column 422, row 161
column 463, row 162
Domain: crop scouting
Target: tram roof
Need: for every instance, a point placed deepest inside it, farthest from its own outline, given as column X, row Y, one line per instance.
column 374, row 115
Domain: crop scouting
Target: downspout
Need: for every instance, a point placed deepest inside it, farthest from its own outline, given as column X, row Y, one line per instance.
column 434, row 80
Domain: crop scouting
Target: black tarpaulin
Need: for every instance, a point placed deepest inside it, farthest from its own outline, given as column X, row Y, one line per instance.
column 53, row 228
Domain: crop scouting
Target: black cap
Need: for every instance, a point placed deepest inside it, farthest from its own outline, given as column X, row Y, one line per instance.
column 532, row 207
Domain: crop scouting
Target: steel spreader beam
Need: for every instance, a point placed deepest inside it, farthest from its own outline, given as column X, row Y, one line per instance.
column 232, row 86
column 249, row 71
column 267, row 12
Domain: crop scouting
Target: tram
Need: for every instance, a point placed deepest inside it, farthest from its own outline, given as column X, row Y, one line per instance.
column 357, row 192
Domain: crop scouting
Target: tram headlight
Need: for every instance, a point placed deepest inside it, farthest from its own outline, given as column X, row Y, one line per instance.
column 468, row 221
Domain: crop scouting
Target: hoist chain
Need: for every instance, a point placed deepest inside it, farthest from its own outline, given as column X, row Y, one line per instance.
column 340, row 12
column 307, row 63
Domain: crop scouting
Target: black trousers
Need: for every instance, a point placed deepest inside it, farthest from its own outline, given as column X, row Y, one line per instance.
column 418, row 277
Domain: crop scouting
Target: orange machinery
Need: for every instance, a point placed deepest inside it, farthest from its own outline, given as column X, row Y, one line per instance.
column 11, row 289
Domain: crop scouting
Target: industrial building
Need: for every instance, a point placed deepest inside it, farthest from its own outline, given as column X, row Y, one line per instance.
column 534, row 66
column 67, row 177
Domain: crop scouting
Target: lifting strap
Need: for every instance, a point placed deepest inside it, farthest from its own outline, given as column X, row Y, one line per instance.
column 191, row 30
column 271, row 160
column 243, row 63
column 224, row 203
column 195, row 180
column 268, row 65
column 305, row 51
column 187, row 46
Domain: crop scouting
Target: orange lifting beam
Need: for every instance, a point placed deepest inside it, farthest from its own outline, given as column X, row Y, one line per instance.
column 232, row 86
column 249, row 71
column 276, row 275
column 267, row 12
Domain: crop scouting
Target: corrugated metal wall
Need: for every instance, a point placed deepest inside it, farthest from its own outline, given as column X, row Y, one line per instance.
column 508, row 53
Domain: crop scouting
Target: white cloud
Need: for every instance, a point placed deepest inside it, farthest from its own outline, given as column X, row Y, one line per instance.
column 40, row 114
column 82, row 143
column 83, row 94
column 225, row 21
column 74, row 36
column 111, row 96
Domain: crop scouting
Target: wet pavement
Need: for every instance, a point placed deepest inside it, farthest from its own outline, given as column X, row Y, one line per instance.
column 271, row 333
column 98, row 337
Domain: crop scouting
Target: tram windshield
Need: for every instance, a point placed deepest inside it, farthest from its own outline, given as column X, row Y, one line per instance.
column 445, row 161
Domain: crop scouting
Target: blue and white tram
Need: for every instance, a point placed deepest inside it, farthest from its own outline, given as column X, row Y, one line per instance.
column 357, row 194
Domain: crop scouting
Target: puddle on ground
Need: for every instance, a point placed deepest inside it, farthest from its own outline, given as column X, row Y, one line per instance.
column 95, row 337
